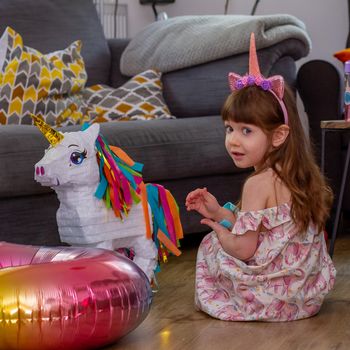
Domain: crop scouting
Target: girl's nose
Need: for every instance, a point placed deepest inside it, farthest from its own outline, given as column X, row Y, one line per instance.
column 233, row 139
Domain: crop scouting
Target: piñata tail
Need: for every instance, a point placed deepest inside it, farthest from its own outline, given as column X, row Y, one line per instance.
column 167, row 229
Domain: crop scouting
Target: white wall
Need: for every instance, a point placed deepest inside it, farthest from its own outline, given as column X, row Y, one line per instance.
column 326, row 20
column 138, row 16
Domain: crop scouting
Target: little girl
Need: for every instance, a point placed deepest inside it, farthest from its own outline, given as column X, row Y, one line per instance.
column 266, row 259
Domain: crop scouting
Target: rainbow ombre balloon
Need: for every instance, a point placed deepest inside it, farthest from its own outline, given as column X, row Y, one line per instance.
column 68, row 298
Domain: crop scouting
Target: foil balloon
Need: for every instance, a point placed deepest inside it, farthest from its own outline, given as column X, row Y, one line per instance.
column 104, row 202
column 68, row 298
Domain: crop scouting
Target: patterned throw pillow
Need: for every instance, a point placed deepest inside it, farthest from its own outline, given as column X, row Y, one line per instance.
column 31, row 82
column 140, row 98
column 51, row 86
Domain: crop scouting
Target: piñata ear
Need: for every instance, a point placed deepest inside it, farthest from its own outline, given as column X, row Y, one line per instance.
column 93, row 131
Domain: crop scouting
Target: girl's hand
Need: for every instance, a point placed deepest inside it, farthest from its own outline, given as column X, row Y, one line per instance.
column 203, row 202
column 215, row 226
column 227, row 240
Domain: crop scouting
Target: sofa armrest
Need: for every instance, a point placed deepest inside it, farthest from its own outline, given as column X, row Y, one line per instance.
column 319, row 87
column 116, row 47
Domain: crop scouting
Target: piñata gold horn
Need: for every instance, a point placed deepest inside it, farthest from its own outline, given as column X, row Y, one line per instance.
column 53, row 136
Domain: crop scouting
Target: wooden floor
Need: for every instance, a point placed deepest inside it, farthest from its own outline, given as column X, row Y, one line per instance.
column 173, row 322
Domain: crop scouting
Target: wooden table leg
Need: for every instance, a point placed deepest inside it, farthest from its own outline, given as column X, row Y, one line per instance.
column 340, row 200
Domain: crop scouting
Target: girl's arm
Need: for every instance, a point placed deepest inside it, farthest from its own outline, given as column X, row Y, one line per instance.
column 254, row 197
column 241, row 247
column 225, row 214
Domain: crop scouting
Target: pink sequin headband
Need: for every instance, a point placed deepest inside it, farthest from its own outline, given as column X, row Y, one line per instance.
column 274, row 84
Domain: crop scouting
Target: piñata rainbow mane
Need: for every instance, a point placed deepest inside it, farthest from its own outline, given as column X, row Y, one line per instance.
column 121, row 186
column 120, row 178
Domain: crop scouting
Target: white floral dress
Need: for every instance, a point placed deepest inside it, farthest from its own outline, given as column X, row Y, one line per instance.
column 287, row 278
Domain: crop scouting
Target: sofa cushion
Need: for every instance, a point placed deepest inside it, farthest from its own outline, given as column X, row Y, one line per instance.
column 140, row 98
column 202, row 89
column 169, row 149
column 50, row 24
column 33, row 83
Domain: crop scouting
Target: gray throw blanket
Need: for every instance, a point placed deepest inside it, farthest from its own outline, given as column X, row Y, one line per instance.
column 185, row 41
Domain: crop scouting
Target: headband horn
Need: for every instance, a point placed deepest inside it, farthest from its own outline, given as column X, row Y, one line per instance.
column 254, row 69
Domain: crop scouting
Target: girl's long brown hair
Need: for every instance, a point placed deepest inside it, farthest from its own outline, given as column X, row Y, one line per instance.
column 293, row 161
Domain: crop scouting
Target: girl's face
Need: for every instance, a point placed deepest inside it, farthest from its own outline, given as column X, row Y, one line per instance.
column 247, row 144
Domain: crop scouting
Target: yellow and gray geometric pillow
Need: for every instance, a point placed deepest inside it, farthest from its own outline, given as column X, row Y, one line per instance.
column 140, row 98
column 31, row 82
column 52, row 86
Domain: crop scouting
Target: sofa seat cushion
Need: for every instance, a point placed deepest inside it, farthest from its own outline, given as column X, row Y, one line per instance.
column 174, row 149
column 169, row 149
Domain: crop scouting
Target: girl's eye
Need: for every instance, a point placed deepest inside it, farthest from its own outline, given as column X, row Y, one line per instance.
column 77, row 157
column 246, row 131
column 228, row 129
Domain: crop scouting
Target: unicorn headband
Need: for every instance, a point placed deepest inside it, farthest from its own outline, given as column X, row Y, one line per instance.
column 274, row 84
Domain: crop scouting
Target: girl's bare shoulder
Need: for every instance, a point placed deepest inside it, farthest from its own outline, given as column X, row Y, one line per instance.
column 256, row 191
column 263, row 179
column 264, row 190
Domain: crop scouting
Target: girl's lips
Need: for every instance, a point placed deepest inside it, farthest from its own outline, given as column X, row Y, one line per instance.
column 237, row 155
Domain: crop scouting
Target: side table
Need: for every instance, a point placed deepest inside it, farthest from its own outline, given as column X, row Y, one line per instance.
column 338, row 126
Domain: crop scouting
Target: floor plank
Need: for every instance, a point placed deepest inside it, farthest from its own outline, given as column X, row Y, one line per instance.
column 174, row 324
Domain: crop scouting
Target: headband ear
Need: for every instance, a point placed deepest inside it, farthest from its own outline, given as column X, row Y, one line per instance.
column 233, row 81
column 277, row 85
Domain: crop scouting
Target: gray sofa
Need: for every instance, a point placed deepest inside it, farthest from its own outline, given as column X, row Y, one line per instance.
column 180, row 154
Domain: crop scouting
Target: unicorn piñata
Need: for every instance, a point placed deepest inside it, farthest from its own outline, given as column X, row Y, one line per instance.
column 104, row 202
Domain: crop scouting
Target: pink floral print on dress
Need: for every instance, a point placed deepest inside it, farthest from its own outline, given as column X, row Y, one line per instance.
column 287, row 278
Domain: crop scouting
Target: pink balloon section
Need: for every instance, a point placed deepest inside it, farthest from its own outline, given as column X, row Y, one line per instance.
column 68, row 298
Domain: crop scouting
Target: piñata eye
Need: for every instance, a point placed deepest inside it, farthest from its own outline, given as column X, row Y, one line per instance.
column 77, row 157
